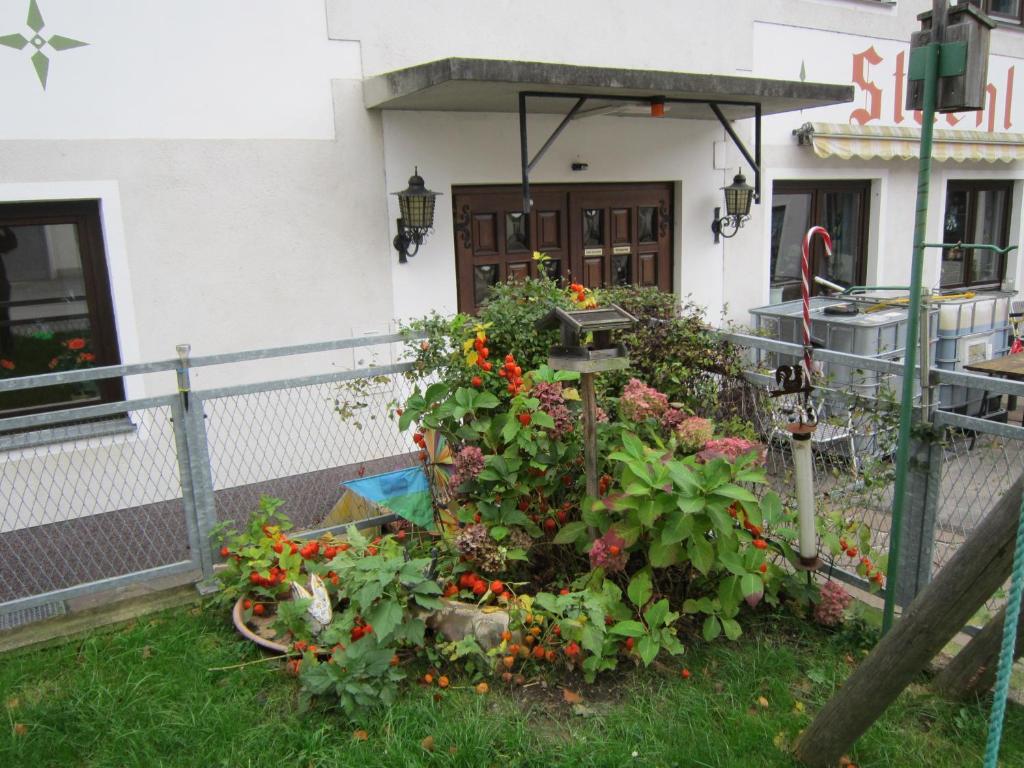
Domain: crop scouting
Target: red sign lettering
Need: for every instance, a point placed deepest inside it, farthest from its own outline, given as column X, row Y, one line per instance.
column 873, row 93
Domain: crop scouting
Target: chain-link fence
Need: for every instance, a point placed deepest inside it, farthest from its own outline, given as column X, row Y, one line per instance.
column 99, row 497
column 967, row 464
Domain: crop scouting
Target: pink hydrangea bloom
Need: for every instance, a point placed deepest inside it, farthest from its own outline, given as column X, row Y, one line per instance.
column 730, row 449
column 694, row 433
column 639, row 402
column 552, row 402
column 469, row 462
column 672, row 418
column 601, row 553
column 834, row 601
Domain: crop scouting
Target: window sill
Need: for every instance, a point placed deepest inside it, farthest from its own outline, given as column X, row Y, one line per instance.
column 63, row 434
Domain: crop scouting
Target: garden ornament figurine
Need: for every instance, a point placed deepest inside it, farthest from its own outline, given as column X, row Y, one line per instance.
column 320, row 606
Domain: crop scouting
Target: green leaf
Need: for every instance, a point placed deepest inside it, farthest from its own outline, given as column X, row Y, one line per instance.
column 570, row 532
column 702, row 555
column 751, row 476
column 676, row 529
column 510, row 431
column 751, row 584
column 595, row 517
column 628, row 629
column 735, row 492
column 640, row 588
column 541, row 419
column 733, row 562
column 436, row 392
column 633, row 445
column 647, row 648
column 655, row 615
column 385, row 617
column 690, row 505
column 771, row 508
column 485, row 400
column 732, row 628
column 712, row 628
column 730, row 593
column 499, row 532
column 592, row 638
column 647, row 513
column 663, row 555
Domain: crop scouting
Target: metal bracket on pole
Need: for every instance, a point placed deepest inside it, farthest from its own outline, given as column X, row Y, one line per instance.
column 755, row 160
column 527, row 163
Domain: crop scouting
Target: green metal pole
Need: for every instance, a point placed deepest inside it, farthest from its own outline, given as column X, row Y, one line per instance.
column 924, row 172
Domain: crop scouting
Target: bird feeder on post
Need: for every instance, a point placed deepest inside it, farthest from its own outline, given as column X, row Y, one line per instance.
column 587, row 348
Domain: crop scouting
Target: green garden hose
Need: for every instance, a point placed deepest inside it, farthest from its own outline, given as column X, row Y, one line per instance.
column 1002, row 690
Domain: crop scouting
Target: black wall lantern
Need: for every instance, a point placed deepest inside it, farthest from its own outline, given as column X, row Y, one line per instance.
column 738, row 197
column 416, row 204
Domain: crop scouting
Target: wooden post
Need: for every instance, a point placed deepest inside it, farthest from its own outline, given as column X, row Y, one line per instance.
column 972, row 672
column 978, row 569
column 590, row 436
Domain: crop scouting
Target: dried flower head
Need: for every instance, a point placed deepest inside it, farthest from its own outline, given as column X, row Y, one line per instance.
column 693, row 433
column 468, row 462
column 730, row 449
column 639, row 402
column 831, row 609
column 609, row 552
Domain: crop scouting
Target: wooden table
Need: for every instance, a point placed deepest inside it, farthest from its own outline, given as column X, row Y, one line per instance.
column 1007, row 367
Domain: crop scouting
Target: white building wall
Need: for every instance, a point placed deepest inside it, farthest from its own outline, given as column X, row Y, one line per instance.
column 244, row 186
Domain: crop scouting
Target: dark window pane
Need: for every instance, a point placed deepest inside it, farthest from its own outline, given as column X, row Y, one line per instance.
column 791, row 218
column 989, row 227
column 593, row 226
column 621, row 271
column 647, row 224
column 974, row 213
column 44, row 315
column 954, row 230
column 553, row 267
column 484, row 276
column 1008, row 8
column 516, row 229
column 842, row 218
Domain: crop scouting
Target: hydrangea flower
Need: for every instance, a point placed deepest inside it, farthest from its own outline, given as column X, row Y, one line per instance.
column 672, row 418
column 469, row 462
column 639, row 402
column 609, row 552
column 694, row 433
column 730, row 449
column 475, row 543
column 552, row 402
column 834, row 601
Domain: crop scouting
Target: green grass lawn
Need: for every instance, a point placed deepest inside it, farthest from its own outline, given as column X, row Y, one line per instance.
column 145, row 695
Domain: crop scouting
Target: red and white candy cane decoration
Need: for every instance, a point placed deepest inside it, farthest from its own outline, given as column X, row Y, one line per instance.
column 806, row 274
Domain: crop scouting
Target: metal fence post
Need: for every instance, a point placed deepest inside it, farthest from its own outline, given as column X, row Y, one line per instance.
column 924, row 481
column 200, row 475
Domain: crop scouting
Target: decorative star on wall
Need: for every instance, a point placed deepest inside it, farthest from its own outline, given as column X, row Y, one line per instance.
column 40, row 60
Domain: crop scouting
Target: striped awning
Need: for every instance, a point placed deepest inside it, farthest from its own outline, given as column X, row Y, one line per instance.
column 889, row 142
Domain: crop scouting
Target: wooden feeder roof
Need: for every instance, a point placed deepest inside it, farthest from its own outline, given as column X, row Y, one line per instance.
column 581, row 321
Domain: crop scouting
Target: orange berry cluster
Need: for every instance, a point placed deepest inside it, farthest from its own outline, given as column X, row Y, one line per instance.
column 482, row 353
column 512, row 373
column 581, row 296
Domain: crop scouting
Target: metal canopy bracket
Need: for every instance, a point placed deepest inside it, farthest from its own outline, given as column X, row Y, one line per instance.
column 574, row 113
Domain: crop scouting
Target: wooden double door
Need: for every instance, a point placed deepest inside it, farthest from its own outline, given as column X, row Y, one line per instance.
column 595, row 234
